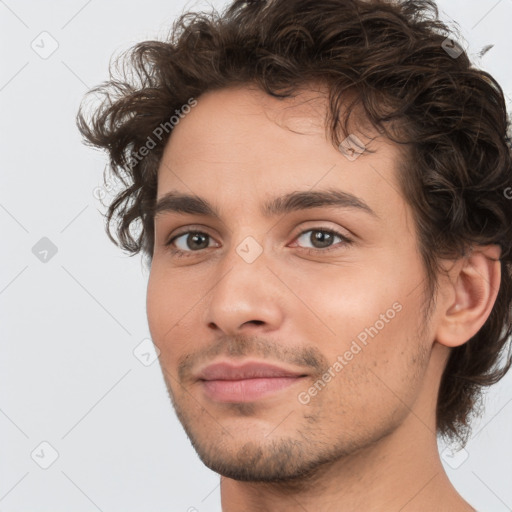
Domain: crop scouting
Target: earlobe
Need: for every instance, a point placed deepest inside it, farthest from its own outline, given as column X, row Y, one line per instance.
column 471, row 292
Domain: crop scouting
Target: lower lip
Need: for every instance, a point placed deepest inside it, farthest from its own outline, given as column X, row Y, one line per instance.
column 246, row 390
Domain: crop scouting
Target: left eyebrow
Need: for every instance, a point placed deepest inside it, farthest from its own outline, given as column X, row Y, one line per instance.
column 179, row 202
column 314, row 199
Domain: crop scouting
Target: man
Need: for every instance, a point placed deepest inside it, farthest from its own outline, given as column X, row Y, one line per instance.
column 322, row 192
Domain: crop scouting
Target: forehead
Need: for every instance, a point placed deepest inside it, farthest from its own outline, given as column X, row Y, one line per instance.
column 234, row 114
column 239, row 143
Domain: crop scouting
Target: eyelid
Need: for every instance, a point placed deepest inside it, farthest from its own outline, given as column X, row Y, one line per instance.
column 319, row 226
column 190, row 228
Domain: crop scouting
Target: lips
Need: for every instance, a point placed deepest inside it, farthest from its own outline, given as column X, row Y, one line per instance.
column 227, row 371
column 225, row 382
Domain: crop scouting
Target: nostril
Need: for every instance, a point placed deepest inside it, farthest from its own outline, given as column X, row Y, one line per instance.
column 256, row 322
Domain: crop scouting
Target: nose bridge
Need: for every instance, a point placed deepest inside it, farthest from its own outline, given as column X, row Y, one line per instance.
column 243, row 291
column 244, row 269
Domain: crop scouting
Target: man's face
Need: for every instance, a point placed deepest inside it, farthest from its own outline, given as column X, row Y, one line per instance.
column 344, row 314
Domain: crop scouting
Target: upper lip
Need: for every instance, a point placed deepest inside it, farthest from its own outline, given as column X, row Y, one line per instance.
column 250, row 370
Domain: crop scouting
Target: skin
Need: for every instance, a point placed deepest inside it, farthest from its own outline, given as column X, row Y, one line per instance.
column 367, row 440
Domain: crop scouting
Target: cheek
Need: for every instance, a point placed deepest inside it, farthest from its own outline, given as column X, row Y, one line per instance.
column 377, row 356
column 376, row 367
column 156, row 304
column 345, row 299
column 165, row 306
column 372, row 312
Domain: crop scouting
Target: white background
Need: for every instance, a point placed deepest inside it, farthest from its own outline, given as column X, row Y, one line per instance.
column 68, row 375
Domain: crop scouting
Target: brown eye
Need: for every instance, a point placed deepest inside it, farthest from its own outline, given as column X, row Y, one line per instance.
column 321, row 238
column 191, row 241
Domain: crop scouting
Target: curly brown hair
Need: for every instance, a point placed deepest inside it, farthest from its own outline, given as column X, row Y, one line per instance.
column 393, row 55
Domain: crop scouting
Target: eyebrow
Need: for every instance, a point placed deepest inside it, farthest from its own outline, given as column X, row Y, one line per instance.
column 179, row 202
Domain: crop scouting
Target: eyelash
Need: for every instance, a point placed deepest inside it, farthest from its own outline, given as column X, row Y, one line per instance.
column 178, row 253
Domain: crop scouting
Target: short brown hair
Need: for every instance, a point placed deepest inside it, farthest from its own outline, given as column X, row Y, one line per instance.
column 449, row 116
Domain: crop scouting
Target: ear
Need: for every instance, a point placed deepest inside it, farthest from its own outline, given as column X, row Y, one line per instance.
column 469, row 295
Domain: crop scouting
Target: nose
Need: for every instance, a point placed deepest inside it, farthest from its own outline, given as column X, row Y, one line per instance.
column 245, row 297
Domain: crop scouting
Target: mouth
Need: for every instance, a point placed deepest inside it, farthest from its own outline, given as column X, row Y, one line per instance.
column 225, row 382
